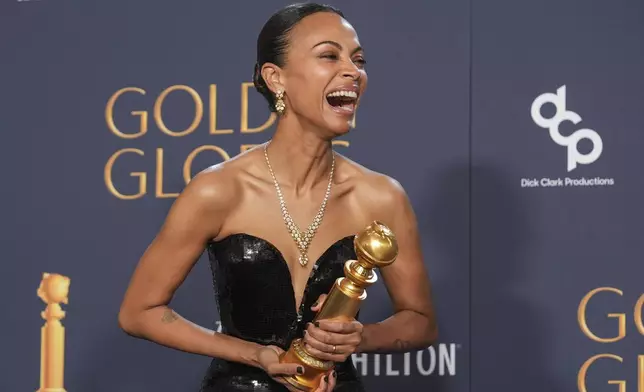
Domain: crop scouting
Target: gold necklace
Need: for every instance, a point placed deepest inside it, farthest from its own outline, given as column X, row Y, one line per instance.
column 302, row 239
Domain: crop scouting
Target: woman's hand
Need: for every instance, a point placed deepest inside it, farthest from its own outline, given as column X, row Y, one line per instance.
column 268, row 358
column 332, row 340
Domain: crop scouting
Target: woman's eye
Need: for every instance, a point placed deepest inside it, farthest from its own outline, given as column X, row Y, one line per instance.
column 330, row 56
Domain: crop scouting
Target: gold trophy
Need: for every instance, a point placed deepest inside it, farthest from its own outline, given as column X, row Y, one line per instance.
column 53, row 290
column 375, row 247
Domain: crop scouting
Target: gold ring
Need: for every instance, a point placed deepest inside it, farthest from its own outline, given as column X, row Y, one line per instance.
column 334, row 348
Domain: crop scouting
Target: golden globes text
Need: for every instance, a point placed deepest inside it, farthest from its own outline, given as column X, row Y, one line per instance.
column 205, row 112
column 621, row 318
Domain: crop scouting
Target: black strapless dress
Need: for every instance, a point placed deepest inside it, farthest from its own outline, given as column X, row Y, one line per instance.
column 257, row 303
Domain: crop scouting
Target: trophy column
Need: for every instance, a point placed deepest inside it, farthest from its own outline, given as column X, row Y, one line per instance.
column 53, row 290
column 375, row 247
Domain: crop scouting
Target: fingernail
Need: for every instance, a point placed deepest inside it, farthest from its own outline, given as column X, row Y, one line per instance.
column 334, row 374
column 300, row 370
column 316, row 303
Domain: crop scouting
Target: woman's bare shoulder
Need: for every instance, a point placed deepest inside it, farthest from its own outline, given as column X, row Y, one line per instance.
column 380, row 197
column 366, row 180
column 219, row 185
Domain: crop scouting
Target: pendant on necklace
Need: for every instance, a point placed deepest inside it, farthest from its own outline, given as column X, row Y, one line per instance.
column 303, row 259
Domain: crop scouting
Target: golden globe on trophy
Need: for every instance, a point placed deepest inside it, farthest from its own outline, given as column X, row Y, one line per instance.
column 375, row 247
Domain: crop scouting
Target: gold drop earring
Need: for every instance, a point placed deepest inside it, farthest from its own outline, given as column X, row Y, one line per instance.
column 279, row 102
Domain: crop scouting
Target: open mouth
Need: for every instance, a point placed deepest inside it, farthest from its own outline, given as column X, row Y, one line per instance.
column 343, row 101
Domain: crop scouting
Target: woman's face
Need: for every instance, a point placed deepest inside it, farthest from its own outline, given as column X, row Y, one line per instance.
column 324, row 76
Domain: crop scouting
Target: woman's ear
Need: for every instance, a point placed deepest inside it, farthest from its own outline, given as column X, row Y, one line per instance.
column 272, row 75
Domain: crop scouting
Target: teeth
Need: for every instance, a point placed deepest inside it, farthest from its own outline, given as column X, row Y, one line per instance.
column 350, row 94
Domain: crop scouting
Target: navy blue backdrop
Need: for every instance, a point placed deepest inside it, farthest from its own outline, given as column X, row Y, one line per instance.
column 526, row 202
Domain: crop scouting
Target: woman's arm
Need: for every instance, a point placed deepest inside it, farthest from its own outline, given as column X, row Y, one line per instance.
column 413, row 326
column 194, row 218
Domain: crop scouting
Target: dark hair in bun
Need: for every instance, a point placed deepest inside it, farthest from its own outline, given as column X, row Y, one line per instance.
column 273, row 40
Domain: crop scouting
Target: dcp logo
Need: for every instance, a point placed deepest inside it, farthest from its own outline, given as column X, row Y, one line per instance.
column 561, row 115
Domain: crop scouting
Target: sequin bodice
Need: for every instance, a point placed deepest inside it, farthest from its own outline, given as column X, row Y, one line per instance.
column 257, row 303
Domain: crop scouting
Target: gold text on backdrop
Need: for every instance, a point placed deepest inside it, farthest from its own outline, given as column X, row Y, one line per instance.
column 203, row 107
column 582, row 319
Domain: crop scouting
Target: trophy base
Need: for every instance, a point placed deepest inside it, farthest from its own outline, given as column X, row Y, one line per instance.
column 52, row 390
column 300, row 385
column 314, row 369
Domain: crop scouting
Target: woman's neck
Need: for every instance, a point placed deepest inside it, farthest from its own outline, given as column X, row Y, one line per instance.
column 300, row 159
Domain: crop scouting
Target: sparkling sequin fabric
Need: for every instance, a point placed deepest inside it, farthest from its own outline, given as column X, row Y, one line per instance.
column 257, row 303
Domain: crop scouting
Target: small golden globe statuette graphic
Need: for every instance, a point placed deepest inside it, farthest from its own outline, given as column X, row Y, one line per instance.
column 53, row 290
column 375, row 247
